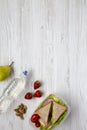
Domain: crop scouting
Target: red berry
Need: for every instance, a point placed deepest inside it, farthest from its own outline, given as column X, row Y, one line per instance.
column 35, row 118
column 37, row 124
column 37, row 84
column 28, row 95
column 38, row 93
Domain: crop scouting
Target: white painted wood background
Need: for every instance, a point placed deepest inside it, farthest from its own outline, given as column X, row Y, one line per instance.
column 50, row 38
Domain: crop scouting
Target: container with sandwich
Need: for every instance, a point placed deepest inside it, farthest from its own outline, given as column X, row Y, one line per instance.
column 51, row 112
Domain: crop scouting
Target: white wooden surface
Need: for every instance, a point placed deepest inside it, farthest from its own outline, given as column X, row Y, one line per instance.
column 50, row 38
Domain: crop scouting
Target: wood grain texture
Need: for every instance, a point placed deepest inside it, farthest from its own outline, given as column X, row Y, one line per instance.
column 50, row 38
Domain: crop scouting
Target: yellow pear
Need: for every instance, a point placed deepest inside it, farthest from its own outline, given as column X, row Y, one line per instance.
column 5, row 71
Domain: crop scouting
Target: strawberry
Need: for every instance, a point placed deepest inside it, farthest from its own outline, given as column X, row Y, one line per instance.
column 28, row 96
column 37, row 124
column 35, row 118
column 38, row 93
column 37, row 84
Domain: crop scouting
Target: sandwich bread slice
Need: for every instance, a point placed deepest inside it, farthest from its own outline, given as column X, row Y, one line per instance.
column 44, row 112
column 58, row 110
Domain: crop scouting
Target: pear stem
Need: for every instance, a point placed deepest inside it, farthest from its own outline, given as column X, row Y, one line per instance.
column 11, row 63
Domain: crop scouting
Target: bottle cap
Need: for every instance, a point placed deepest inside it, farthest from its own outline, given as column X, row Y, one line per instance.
column 25, row 72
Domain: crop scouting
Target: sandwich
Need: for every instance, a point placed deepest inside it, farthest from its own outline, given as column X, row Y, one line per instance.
column 58, row 110
column 44, row 113
column 51, row 112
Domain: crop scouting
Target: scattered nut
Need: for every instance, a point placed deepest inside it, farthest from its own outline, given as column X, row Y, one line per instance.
column 20, row 110
column 16, row 110
column 18, row 114
column 22, row 117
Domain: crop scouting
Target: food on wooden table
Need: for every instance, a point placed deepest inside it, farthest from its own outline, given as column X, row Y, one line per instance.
column 5, row 71
column 38, row 94
column 44, row 113
column 37, row 84
column 58, row 110
column 20, row 110
column 51, row 112
column 35, row 118
column 37, row 124
column 28, row 96
column 12, row 91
